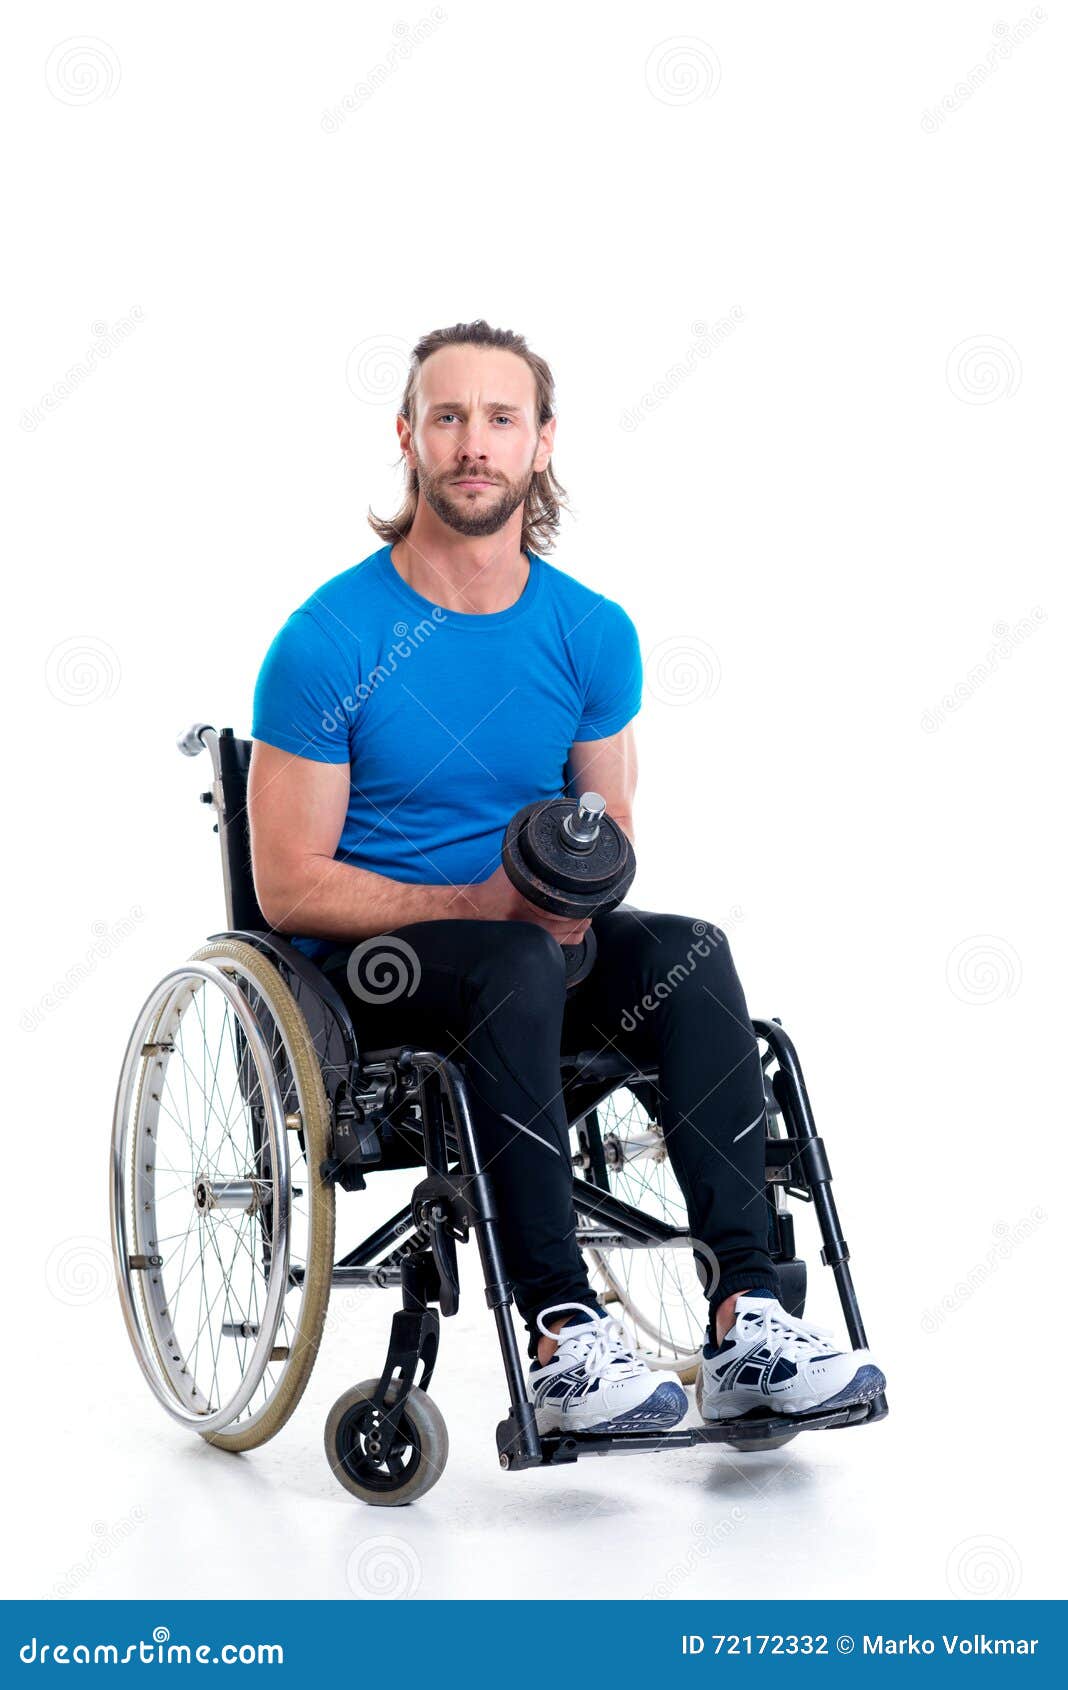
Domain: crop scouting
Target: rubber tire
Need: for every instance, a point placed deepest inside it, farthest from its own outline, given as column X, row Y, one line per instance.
column 750, row 1445
column 421, row 1415
column 316, row 1117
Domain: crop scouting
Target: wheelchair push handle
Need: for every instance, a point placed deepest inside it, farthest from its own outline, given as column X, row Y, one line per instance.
column 191, row 742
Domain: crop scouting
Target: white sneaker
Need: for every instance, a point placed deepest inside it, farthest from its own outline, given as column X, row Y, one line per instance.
column 595, row 1382
column 770, row 1360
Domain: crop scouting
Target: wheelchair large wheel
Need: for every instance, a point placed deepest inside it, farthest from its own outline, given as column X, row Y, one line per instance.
column 223, row 1230
column 657, row 1291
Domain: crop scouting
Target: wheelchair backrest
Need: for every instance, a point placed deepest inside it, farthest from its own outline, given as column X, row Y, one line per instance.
column 230, row 759
column 234, row 757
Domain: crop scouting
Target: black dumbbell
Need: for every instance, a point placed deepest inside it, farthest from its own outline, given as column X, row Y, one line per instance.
column 579, row 959
column 569, row 857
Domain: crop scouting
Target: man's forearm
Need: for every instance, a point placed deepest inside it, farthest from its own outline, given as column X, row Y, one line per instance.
column 333, row 900
column 626, row 821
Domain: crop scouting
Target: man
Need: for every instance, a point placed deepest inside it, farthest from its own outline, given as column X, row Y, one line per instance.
column 402, row 715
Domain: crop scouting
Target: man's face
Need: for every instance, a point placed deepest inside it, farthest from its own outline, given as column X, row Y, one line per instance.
column 476, row 442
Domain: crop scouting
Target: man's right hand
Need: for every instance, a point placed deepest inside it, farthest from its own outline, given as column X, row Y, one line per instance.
column 496, row 899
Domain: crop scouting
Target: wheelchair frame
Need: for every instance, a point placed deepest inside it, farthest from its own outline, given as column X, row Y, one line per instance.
column 369, row 1094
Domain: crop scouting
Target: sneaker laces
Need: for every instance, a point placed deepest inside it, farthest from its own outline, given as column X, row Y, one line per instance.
column 778, row 1326
column 594, row 1345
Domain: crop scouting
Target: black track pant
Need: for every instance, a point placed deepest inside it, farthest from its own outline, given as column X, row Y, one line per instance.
column 491, row 996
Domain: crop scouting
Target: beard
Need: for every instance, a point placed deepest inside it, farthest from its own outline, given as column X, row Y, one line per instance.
column 467, row 513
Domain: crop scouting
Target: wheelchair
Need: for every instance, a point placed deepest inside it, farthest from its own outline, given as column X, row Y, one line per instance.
column 245, row 1102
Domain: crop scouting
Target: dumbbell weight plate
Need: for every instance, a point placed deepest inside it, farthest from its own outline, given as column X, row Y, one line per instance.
column 579, row 958
column 559, row 877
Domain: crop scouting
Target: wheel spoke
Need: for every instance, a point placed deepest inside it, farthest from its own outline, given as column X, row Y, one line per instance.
column 219, row 1302
column 665, row 1310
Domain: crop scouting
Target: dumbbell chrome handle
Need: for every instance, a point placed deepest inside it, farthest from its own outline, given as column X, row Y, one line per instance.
column 582, row 826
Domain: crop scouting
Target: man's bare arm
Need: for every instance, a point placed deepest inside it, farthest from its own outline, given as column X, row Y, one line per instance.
column 610, row 767
column 296, row 812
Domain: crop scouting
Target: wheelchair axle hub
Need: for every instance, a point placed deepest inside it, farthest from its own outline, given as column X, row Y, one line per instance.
column 243, row 1194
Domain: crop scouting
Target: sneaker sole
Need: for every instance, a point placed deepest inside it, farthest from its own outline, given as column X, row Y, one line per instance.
column 866, row 1383
column 658, row 1413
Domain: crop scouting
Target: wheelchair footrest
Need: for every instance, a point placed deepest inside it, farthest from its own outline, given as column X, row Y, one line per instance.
column 558, row 1447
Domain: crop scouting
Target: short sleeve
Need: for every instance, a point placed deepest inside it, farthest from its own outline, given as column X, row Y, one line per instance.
column 614, row 685
column 306, row 693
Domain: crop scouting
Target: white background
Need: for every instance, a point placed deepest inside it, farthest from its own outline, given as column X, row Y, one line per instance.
column 822, row 524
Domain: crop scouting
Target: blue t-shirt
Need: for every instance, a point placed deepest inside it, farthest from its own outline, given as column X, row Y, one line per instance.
column 450, row 722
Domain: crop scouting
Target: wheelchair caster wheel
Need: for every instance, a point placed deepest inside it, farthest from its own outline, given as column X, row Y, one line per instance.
column 744, row 1444
column 416, row 1461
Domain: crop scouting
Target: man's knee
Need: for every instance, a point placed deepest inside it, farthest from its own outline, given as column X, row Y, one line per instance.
column 521, row 958
column 682, row 948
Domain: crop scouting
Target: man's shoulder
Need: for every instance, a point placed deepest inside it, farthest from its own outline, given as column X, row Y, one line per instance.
column 332, row 603
column 323, row 627
column 588, row 612
column 313, row 668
